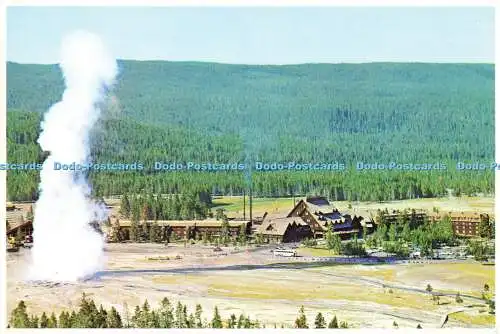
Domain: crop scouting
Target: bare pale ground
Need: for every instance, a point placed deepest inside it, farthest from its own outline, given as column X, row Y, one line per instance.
column 455, row 204
column 252, row 282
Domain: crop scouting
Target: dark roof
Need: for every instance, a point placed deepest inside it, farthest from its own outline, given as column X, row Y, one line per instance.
column 340, row 226
column 318, row 200
column 333, row 215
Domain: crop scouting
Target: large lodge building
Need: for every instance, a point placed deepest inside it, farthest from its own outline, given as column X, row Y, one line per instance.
column 318, row 213
column 309, row 218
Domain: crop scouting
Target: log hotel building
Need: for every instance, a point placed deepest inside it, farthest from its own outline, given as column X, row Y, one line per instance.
column 190, row 229
column 417, row 216
column 310, row 218
column 464, row 224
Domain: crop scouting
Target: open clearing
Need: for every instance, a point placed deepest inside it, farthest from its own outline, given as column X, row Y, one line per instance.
column 234, row 205
column 253, row 282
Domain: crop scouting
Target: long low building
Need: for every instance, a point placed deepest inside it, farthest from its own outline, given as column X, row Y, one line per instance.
column 191, row 229
column 418, row 216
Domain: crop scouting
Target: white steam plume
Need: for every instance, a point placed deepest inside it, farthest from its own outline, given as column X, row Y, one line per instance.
column 66, row 248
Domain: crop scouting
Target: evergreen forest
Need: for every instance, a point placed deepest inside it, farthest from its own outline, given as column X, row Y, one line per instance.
column 309, row 113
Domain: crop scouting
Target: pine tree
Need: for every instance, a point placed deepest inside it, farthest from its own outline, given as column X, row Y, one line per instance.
column 113, row 319
column 333, row 241
column 225, row 231
column 329, row 237
column 301, row 321
column 485, row 228
column 84, row 318
column 242, row 235
column 241, row 320
column 185, row 317
column 198, row 313
column 145, row 314
column 406, row 233
column 137, row 317
column 136, row 209
column 101, row 317
column 334, row 323
column 219, row 214
column 216, row 320
column 52, row 323
column 176, row 207
column 491, row 306
column 146, row 212
column 145, row 231
column 246, row 322
column 34, row 321
column 231, row 323
column 155, row 233
column 126, row 316
column 19, row 317
column 191, row 323
column 365, row 233
column 319, row 322
column 125, row 206
column 93, row 317
column 64, row 320
column 166, row 314
column 458, row 298
column 114, row 232
column 73, row 320
column 153, row 320
column 393, row 233
column 180, row 316
column 134, row 230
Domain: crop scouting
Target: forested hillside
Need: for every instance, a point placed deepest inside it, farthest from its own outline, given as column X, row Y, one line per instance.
column 204, row 112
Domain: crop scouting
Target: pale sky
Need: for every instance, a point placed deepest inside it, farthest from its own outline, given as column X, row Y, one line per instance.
column 260, row 35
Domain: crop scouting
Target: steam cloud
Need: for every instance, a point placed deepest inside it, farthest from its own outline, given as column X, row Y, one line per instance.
column 66, row 248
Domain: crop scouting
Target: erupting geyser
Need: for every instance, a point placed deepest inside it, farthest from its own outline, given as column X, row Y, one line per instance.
column 66, row 248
